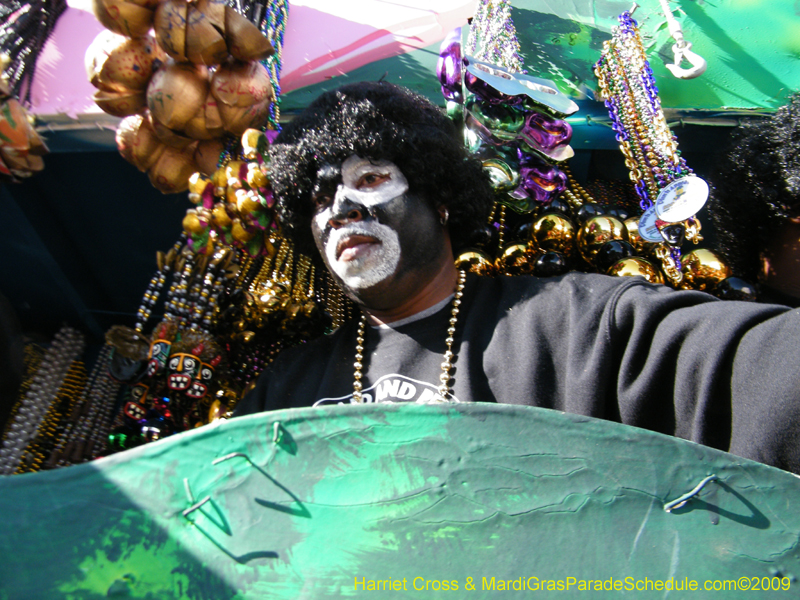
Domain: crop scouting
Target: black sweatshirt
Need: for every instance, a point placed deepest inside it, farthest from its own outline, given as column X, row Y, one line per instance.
column 723, row 374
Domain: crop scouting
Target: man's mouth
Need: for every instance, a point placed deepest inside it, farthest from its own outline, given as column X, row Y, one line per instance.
column 353, row 246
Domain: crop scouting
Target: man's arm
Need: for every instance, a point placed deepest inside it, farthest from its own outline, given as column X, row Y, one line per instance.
column 732, row 370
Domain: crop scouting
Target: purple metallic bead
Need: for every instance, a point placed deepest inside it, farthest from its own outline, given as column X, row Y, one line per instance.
column 546, row 133
column 453, row 95
column 644, row 198
column 676, row 256
column 450, row 67
column 543, row 182
column 488, row 93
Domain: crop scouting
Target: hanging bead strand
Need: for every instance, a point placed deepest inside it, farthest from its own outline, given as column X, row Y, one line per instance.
column 273, row 26
column 66, row 347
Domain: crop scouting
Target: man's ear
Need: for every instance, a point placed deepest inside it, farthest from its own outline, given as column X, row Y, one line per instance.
column 444, row 215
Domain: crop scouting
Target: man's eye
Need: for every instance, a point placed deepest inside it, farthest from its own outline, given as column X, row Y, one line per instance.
column 321, row 201
column 371, row 180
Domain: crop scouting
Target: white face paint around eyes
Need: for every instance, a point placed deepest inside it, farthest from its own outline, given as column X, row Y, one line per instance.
column 355, row 167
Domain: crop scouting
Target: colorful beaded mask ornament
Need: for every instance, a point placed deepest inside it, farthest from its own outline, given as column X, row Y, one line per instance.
column 512, row 121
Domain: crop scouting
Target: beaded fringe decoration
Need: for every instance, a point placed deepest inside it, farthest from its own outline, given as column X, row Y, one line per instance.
column 24, row 29
column 627, row 85
column 493, row 37
column 273, row 26
column 43, row 391
column 42, row 446
column 83, row 435
column 32, row 359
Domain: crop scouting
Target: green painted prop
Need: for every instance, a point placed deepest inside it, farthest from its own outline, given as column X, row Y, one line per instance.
column 311, row 503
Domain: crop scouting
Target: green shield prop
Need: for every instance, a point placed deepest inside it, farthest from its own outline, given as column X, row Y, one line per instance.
column 403, row 501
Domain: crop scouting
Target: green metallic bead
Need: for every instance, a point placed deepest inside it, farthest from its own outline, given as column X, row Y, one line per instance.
column 455, row 111
column 503, row 122
column 502, row 177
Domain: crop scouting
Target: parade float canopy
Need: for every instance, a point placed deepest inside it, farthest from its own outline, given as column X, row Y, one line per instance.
column 752, row 49
column 302, row 503
column 85, row 232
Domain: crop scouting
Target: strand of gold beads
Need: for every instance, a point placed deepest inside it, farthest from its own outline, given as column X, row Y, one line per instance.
column 39, row 448
column 32, row 359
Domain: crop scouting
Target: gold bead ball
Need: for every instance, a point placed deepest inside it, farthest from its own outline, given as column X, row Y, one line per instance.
column 192, row 223
column 635, row 266
column 554, row 233
column 596, row 232
column 476, row 262
column 515, row 260
column 703, row 270
column 633, row 237
column 198, row 183
column 219, row 215
column 239, row 232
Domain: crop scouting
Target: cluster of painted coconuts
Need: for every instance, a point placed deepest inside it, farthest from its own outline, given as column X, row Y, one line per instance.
column 183, row 87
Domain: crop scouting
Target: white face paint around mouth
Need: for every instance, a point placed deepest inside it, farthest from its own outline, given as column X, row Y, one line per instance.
column 372, row 263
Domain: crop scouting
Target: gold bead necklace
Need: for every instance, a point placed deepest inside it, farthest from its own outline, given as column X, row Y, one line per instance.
column 447, row 364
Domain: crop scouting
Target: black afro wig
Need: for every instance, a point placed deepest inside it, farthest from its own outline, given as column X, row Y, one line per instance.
column 379, row 121
column 757, row 187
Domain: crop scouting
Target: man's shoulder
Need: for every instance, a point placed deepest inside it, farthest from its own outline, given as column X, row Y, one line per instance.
column 554, row 289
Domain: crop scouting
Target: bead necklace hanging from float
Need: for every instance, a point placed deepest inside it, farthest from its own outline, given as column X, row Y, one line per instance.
column 273, row 25
column 670, row 195
column 236, row 294
column 25, row 26
column 37, row 420
column 492, row 36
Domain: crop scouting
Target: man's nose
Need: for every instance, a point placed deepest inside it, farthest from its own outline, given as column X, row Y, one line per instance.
column 345, row 211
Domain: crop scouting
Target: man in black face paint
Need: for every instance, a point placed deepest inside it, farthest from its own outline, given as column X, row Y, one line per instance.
column 375, row 177
column 388, row 248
